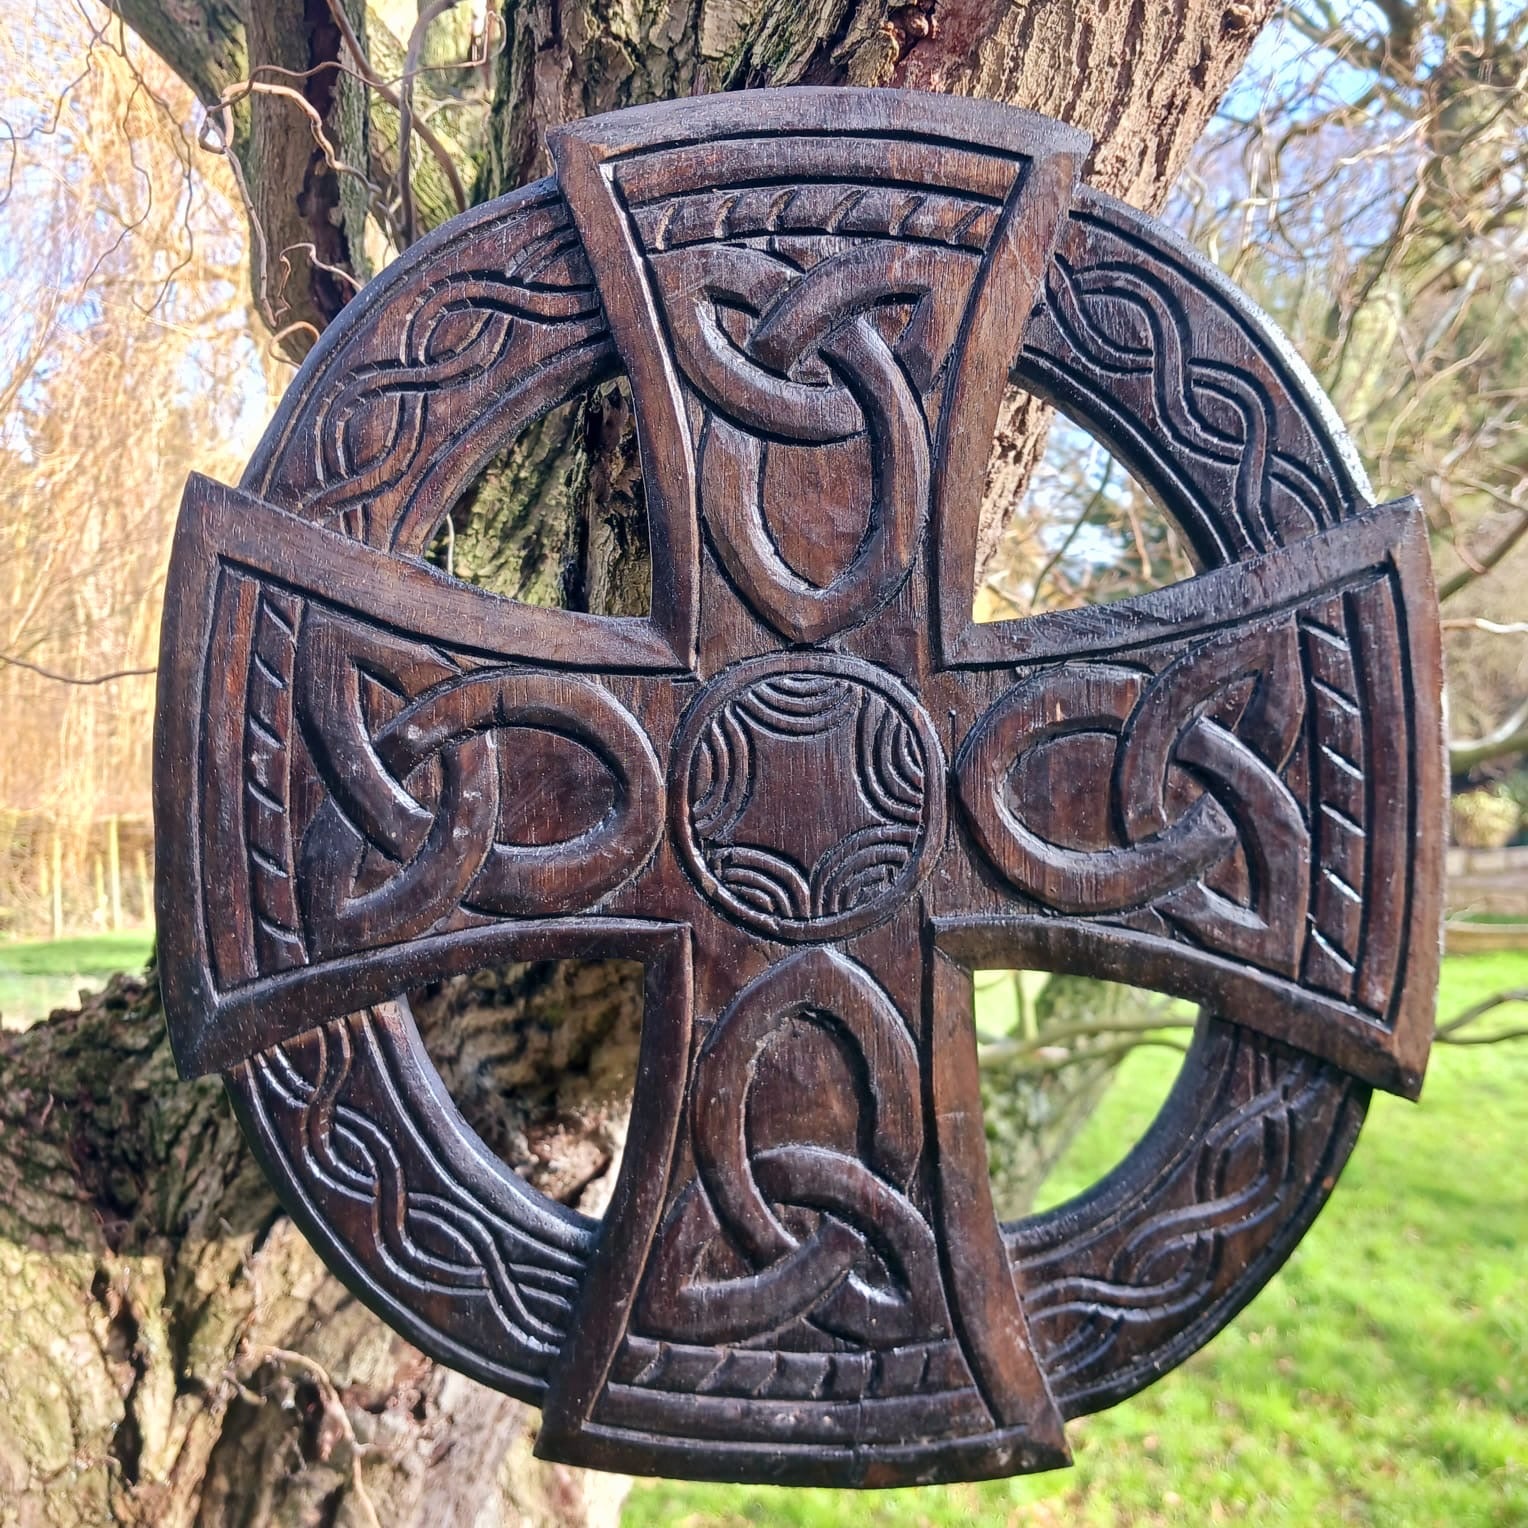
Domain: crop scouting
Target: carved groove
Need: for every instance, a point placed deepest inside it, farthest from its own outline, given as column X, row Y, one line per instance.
column 346, row 1110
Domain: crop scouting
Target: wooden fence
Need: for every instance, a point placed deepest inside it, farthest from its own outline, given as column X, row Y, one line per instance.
column 1487, row 900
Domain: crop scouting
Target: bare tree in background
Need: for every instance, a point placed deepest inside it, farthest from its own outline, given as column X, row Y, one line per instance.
column 1385, row 221
column 123, row 343
column 172, row 1351
column 1368, row 185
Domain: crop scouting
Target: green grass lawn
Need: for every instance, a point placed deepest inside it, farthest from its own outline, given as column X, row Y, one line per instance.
column 36, row 978
column 1381, row 1378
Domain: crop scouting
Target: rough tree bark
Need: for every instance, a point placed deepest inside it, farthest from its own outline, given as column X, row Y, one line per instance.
column 170, row 1350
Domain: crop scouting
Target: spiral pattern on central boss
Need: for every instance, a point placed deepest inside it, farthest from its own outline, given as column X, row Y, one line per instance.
column 756, row 748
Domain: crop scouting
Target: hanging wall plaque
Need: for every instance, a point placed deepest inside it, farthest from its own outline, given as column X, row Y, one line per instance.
column 826, row 795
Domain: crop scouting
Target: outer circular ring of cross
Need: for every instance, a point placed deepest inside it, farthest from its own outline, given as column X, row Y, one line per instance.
column 822, row 794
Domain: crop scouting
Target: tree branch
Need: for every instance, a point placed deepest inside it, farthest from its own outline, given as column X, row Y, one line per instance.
column 1449, row 1033
column 1510, row 737
column 1491, row 628
column 203, row 43
column 9, row 660
column 1483, row 565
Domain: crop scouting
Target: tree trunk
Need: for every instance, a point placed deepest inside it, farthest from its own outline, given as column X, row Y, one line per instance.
column 171, row 1350
column 1032, row 1117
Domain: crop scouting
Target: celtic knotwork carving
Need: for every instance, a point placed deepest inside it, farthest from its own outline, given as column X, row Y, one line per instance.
column 520, row 302
column 1143, row 1278
column 445, row 740
column 828, row 336
column 1130, row 326
column 865, row 1270
column 344, row 1109
column 1168, row 361
column 810, row 371
column 1226, row 714
column 1212, row 772
column 370, row 776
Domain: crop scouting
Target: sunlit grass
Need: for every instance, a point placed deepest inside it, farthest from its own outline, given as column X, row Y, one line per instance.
column 37, row 977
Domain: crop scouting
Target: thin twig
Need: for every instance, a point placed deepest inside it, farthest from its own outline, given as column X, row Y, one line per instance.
column 406, row 115
column 1510, row 737
column 83, row 682
column 1040, row 1064
column 221, row 124
column 295, row 327
column 1466, row 576
column 1057, row 1034
column 311, row 251
column 1082, row 519
column 236, row 93
column 1468, row 1016
column 334, row 1407
column 1480, row 623
column 385, row 89
column 1504, row 1034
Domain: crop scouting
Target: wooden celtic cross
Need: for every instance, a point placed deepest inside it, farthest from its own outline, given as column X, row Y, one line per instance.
column 808, row 791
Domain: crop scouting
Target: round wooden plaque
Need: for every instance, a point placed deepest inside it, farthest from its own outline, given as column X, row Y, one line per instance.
column 808, row 791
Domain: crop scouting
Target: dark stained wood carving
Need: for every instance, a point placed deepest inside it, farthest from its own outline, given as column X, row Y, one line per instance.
column 807, row 791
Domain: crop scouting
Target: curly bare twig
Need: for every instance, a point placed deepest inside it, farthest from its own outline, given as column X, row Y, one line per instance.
column 384, row 88
column 329, row 1397
column 1491, row 628
column 1482, row 564
column 1449, row 1033
column 1509, row 738
column 406, row 120
column 310, row 249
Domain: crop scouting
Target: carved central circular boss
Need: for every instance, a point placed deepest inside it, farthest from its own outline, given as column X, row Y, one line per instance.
column 806, row 791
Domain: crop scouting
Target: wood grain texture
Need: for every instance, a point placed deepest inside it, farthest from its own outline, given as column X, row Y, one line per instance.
column 806, row 790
